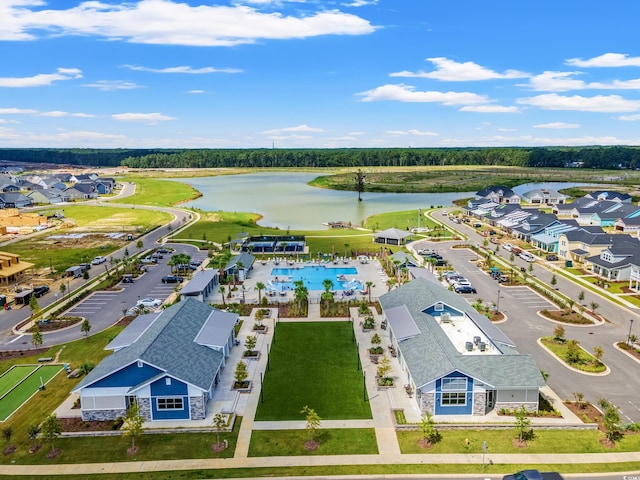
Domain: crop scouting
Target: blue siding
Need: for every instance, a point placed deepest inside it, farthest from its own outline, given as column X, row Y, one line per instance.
column 128, row 376
column 170, row 414
column 454, row 409
column 159, row 388
column 447, row 309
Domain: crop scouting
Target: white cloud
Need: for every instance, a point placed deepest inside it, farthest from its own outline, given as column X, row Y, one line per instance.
column 451, row 71
column 111, row 85
column 555, row 82
column 606, row 60
column 52, row 113
column 183, row 69
column 489, row 109
column 408, row 93
column 150, row 118
column 557, row 125
column 598, row 103
column 196, row 91
column 17, row 111
column 360, row 3
column 42, row 79
column 166, row 22
column 411, row 132
column 629, row 118
column 299, row 128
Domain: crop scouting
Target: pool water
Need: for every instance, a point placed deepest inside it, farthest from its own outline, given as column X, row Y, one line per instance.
column 343, row 278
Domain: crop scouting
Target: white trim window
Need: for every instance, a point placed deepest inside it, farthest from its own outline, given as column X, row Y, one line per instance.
column 454, row 391
column 170, row 403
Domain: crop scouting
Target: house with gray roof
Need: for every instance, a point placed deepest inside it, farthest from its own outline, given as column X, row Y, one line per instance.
column 201, row 285
column 169, row 363
column 578, row 244
column 14, row 200
column 239, row 265
column 455, row 360
column 544, row 196
column 610, row 195
column 499, row 194
column 404, row 259
column 50, row 195
column 616, row 261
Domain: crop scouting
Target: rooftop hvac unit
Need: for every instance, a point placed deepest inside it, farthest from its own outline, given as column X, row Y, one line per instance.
column 482, row 346
column 476, row 340
column 445, row 318
column 468, row 346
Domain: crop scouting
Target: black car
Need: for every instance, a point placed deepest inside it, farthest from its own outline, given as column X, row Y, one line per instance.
column 172, row 279
column 464, row 289
column 40, row 291
column 552, row 258
column 186, row 266
column 163, row 250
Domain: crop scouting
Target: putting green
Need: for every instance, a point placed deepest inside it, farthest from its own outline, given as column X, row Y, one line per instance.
column 25, row 388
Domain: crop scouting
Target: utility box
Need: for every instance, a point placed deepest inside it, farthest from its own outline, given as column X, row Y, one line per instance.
column 568, row 264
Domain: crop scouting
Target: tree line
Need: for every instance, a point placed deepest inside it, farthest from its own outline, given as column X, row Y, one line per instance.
column 615, row 157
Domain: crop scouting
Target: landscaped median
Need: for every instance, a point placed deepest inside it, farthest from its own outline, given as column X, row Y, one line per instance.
column 573, row 356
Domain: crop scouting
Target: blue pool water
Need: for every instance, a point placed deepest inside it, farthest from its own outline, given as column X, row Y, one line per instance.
column 343, row 278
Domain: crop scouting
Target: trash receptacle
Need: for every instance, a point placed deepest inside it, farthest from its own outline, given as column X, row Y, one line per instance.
column 568, row 264
column 3, row 300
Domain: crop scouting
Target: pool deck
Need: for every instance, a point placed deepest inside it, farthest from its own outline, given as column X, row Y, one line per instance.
column 371, row 271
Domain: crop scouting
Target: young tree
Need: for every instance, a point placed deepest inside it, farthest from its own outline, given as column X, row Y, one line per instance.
column 523, row 424
column 85, row 327
column 139, row 244
column 376, row 340
column 594, row 306
column 558, row 334
column 598, row 352
column 241, row 373
column 250, row 344
column 428, row 427
column 384, row 367
column 530, row 267
column 313, row 422
column 611, row 419
column 36, row 336
column 221, row 289
column 554, row 280
column 512, row 257
column 132, row 425
column 7, row 433
column 579, row 397
column 35, row 307
column 33, row 432
column 51, row 429
column 63, row 288
column 369, row 285
column 573, row 351
column 570, row 303
column 359, row 184
column 219, row 423
column 581, row 296
column 85, row 275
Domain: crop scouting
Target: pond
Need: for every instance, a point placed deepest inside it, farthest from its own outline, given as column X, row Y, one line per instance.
column 286, row 201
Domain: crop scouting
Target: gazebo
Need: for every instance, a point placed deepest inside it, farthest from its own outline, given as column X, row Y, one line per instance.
column 392, row 236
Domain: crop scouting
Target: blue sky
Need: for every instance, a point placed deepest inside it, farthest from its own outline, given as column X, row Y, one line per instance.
column 318, row 74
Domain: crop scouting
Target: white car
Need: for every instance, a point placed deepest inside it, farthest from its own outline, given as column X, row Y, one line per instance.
column 150, row 302
column 98, row 260
column 507, row 246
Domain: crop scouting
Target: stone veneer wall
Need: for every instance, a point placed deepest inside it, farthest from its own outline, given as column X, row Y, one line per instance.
column 197, row 408
column 529, row 407
column 479, row 403
column 101, row 415
column 428, row 403
column 145, row 408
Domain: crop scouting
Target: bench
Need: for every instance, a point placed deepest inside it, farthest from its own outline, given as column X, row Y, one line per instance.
column 74, row 374
column 44, row 359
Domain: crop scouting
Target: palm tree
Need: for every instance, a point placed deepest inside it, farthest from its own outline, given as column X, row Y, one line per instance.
column 369, row 285
column 346, row 246
column 390, row 284
column 260, row 287
column 222, row 290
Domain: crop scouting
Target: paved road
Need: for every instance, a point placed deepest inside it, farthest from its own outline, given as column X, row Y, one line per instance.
column 524, row 326
column 10, row 318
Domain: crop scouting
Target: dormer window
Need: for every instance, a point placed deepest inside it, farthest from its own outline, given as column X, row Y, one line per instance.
column 439, row 307
column 167, row 381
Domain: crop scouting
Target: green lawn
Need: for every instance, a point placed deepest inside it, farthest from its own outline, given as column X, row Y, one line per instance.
column 333, row 441
column 162, row 193
column 25, row 389
column 115, row 218
column 14, row 376
column 501, row 441
column 313, row 364
column 586, row 363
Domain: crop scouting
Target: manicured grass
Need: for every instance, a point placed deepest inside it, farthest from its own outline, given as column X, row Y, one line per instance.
column 26, row 388
column 400, row 220
column 501, row 441
column 115, row 218
column 333, row 441
column 90, row 349
column 152, row 447
column 163, row 193
column 14, row 376
column 586, row 363
column 313, row 364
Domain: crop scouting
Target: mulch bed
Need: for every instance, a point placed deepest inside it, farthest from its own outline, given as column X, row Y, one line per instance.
column 218, row 447
column 588, row 414
column 628, row 349
column 54, row 453
column 76, row 424
column 9, row 450
column 520, row 443
column 566, row 317
column 311, row 445
column 21, row 353
column 425, row 443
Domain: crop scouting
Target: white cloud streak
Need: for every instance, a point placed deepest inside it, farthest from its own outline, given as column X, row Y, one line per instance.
column 598, row 103
column 606, row 60
column 299, row 128
column 408, row 93
column 451, row 71
column 166, row 22
column 41, row 79
column 149, row 118
column 112, row 85
column 411, row 132
column 182, row 69
column 557, row 125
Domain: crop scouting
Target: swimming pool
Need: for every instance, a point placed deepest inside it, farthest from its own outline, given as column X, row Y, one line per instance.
column 343, row 278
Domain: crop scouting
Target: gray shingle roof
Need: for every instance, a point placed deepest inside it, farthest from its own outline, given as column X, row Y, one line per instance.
column 431, row 355
column 199, row 282
column 169, row 344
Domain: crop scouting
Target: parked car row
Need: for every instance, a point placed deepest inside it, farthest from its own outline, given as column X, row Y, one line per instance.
column 459, row 283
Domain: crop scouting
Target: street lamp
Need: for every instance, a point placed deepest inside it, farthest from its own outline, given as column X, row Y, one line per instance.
column 498, row 302
column 50, row 265
column 629, row 336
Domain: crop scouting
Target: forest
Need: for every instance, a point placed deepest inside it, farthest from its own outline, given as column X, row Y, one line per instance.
column 614, row 157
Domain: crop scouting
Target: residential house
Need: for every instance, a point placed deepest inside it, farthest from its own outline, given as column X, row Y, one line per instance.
column 201, row 285
column 403, row 259
column 578, row 244
column 567, row 210
column 608, row 216
column 14, row 200
column 82, row 191
column 83, row 177
column 533, row 224
column 9, row 187
column 50, row 195
column 499, row 194
column 616, row 261
column 544, row 197
column 12, row 269
column 454, row 359
column 609, row 195
column 239, row 265
column 168, row 363
column 547, row 240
